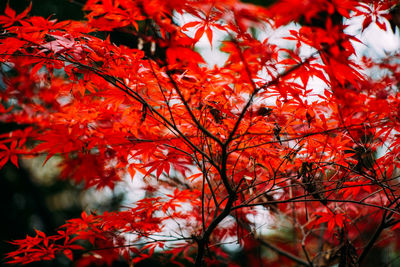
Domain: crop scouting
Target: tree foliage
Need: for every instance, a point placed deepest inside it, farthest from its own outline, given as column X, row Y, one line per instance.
column 304, row 137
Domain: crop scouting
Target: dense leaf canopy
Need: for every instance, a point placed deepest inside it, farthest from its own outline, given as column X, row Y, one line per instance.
column 299, row 133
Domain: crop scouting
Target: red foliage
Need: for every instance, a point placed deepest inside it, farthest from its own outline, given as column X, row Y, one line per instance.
column 219, row 147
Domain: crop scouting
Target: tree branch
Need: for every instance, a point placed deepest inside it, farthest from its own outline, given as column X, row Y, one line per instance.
column 284, row 253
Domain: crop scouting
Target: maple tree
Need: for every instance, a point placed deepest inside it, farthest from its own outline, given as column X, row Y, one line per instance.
column 218, row 146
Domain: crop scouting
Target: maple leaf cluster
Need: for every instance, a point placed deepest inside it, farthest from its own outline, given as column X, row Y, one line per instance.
column 216, row 146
